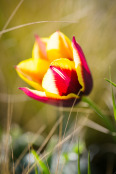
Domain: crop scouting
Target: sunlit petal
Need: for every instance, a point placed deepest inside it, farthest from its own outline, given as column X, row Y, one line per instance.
column 32, row 70
column 59, row 46
column 28, row 80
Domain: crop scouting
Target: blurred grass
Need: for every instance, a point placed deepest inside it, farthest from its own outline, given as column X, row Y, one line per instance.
column 94, row 29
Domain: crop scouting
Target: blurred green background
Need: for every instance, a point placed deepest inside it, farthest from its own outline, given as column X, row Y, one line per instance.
column 94, row 26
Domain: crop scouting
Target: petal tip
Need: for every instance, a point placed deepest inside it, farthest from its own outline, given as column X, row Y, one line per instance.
column 37, row 38
column 25, row 90
column 74, row 40
column 58, row 31
column 15, row 66
column 22, row 88
column 36, row 35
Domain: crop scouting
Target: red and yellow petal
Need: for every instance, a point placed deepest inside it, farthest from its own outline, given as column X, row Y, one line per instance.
column 84, row 74
column 59, row 46
column 49, row 98
column 61, row 78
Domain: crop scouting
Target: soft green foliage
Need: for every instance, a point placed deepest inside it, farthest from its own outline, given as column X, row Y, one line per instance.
column 79, row 147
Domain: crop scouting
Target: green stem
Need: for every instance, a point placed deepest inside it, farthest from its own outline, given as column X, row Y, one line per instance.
column 105, row 118
column 89, row 167
column 79, row 171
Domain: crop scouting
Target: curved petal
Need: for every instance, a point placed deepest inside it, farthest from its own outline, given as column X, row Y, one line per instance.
column 59, row 46
column 61, row 78
column 84, row 74
column 66, row 101
column 32, row 70
column 39, row 49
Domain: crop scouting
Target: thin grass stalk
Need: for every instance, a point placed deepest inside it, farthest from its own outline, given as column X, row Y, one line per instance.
column 105, row 118
column 89, row 167
column 79, row 171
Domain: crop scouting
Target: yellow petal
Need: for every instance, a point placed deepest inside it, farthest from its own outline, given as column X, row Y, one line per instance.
column 30, row 82
column 59, row 46
column 33, row 70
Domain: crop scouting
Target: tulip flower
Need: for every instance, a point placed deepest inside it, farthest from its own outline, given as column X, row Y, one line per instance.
column 57, row 71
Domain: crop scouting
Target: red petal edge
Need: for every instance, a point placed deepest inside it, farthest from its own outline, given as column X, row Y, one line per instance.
column 87, row 78
column 43, row 98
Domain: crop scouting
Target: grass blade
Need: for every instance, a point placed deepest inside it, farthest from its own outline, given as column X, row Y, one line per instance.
column 40, row 163
column 36, row 171
column 79, row 171
column 110, row 82
column 114, row 104
column 89, row 167
column 104, row 117
column 113, row 98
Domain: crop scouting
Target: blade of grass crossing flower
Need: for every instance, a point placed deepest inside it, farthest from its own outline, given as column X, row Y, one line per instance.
column 110, row 82
column 40, row 163
column 89, row 167
column 79, row 171
column 104, row 117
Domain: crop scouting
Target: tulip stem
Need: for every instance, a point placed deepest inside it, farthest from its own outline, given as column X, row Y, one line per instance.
column 105, row 118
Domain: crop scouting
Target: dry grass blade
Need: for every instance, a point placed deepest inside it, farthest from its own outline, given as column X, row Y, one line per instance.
column 82, row 123
column 95, row 126
column 45, row 141
column 77, row 15
column 13, row 97
column 65, row 132
column 49, row 135
column 26, row 149
column 33, row 23
column 5, row 145
column 75, row 125
column 59, row 149
column 11, row 16
column 69, row 117
column 78, row 130
column 79, row 109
